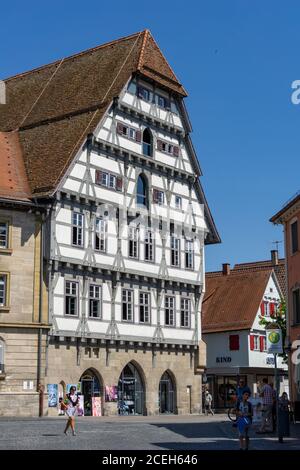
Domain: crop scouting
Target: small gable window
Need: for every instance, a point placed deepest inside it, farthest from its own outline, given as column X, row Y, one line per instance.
column 234, row 342
column 144, row 93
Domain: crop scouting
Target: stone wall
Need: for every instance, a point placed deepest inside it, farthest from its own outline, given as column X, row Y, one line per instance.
column 108, row 365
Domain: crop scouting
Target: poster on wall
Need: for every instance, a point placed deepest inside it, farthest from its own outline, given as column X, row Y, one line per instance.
column 80, row 409
column 96, row 404
column 52, row 390
column 77, row 386
column 111, row 393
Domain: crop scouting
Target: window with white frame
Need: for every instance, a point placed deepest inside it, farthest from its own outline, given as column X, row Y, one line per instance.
column 264, row 343
column 169, row 310
column 143, row 93
column 112, row 181
column 189, row 254
column 127, row 305
column 144, row 307
column 104, row 178
column 100, row 234
column 162, row 101
column 133, row 249
column 71, row 298
column 158, row 197
column 175, row 251
column 256, row 343
column 95, row 301
column 77, row 229
column 4, row 227
column 149, row 246
column 3, row 290
column 185, row 313
column 178, row 202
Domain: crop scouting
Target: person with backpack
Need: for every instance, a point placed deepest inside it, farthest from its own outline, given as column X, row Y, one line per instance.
column 244, row 413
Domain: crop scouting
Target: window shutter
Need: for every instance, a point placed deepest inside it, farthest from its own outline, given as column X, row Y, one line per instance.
column 262, row 308
column 175, row 151
column 159, row 145
column 98, row 177
column 251, row 342
column 272, row 308
column 119, row 183
column 120, row 128
column 138, row 136
column 234, row 342
column 261, row 343
column 155, row 195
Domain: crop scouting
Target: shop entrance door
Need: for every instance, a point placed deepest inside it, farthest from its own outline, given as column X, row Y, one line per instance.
column 131, row 395
column 166, row 394
column 90, row 387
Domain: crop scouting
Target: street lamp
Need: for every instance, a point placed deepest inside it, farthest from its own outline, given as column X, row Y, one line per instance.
column 274, row 346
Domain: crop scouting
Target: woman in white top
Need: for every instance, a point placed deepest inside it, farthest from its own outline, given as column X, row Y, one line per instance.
column 71, row 410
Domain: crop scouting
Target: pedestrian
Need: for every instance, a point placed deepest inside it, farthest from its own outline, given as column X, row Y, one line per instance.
column 241, row 388
column 267, row 399
column 274, row 408
column 72, row 402
column 283, row 417
column 244, row 413
column 208, row 403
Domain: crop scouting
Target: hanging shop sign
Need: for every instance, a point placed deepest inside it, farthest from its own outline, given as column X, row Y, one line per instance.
column 274, row 341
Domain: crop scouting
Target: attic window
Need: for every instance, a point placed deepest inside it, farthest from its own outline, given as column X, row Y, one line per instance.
column 143, row 93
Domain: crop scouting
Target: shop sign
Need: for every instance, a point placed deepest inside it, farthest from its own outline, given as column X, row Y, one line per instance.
column 223, row 359
column 274, row 341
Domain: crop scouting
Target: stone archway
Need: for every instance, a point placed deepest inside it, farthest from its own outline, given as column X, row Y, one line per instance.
column 91, row 387
column 167, row 393
column 132, row 390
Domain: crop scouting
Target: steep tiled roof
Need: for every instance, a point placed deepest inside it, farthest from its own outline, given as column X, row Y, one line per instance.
column 13, row 179
column 231, row 301
column 279, row 270
column 56, row 106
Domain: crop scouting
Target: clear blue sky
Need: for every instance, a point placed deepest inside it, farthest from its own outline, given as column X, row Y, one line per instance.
column 237, row 60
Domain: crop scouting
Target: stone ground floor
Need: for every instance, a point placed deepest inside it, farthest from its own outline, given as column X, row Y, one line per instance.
column 126, row 379
column 135, row 432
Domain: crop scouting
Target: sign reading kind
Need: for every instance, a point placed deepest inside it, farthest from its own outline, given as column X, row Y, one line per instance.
column 223, row 359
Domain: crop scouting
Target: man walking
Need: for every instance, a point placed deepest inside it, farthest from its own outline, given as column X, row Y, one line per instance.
column 267, row 399
column 207, row 403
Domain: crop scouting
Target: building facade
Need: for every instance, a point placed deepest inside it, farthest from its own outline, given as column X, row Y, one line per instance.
column 289, row 217
column 23, row 317
column 124, row 232
column 233, row 305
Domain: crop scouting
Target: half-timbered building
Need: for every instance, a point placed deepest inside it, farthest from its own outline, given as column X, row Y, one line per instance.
column 106, row 144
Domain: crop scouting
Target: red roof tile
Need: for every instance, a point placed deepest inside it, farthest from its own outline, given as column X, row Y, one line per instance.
column 13, row 178
column 231, row 302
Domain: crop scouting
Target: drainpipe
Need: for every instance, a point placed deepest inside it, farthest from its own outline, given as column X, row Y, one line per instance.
column 40, row 387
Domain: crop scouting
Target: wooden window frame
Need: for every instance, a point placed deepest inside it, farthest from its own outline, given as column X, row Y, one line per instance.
column 142, row 304
column 169, row 309
column 185, row 311
column 6, row 306
column 131, row 303
column 7, row 221
column 69, row 315
column 94, row 298
column 78, row 227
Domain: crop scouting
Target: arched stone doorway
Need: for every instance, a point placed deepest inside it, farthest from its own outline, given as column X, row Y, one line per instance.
column 131, row 391
column 91, row 386
column 167, row 394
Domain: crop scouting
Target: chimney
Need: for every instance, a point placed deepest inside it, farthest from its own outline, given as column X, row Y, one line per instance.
column 226, row 269
column 274, row 257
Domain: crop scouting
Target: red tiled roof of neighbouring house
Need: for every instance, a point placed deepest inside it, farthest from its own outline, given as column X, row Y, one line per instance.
column 231, row 301
column 279, row 270
column 13, row 179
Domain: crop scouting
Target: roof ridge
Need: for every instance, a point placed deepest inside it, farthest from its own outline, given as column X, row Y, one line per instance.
column 77, row 54
column 146, row 34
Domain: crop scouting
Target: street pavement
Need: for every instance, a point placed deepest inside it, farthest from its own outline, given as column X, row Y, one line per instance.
column 136, row 432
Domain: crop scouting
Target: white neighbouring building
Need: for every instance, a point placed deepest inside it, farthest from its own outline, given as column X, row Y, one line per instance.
column 235, row 300
column 107, row 151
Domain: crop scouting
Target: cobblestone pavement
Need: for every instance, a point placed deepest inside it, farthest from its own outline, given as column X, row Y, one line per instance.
column 132, row 433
